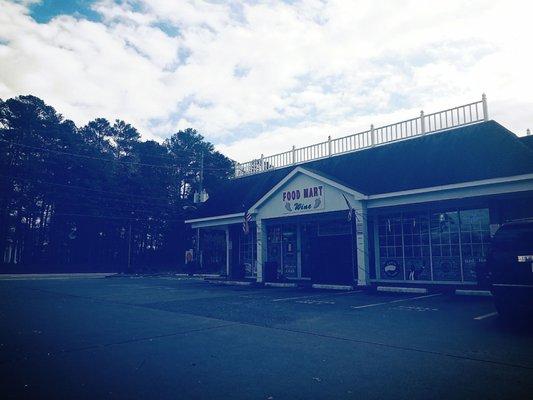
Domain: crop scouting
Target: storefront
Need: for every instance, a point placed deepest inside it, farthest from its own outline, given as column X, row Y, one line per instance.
column 441, row 246
column 422, row 212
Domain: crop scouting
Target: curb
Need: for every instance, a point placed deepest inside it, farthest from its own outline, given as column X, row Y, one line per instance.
column 182, row 275
column 281, row 284
column 331, row 287
column 467, row 292
column 232, row 283
column 395, row 289
column 77, row 275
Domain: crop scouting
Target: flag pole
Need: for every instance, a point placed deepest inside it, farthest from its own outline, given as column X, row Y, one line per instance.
column 352, row 217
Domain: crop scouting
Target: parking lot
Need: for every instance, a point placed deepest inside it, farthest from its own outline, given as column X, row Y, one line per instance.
column 171, row 337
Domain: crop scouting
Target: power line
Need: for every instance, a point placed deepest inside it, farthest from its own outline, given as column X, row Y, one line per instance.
column 115, row 217
column 109, row 160
column 44, row 196
column 50, row 196
column 53, row 161
column 94, row 205
column 83, row 188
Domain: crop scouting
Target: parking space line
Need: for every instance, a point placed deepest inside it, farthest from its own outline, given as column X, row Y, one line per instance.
column 316, row 295
column 395, row 301
column 492, row 314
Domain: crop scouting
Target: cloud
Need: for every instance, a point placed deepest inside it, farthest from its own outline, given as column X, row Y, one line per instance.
column 258, row 77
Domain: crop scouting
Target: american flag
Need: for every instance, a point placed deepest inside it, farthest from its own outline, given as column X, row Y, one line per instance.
column 351, row 210
column 246, row 222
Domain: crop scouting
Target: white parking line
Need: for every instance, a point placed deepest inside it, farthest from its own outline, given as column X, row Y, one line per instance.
column 395, row 301
column 317, row 295
column 492, row 314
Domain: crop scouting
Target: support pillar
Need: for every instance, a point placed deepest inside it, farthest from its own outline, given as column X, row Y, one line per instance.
column 228, row 249
column 261, row 249
column 198, row 255
column 362, row 240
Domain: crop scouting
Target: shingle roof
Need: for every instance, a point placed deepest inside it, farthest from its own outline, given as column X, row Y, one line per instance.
column 476, row 152
column 527, row 140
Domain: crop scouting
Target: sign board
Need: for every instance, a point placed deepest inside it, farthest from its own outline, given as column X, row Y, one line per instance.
column 302, row 199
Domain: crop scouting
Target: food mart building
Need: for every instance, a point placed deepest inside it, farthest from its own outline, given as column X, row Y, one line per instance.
column 426, row 205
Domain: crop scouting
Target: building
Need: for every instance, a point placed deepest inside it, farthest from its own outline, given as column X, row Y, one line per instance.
column 426, row 193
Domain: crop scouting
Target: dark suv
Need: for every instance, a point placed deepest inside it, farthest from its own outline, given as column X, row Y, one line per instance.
column 510, row 264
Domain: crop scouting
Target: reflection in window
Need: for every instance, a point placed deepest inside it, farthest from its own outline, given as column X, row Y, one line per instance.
column 475, row 238
column 438, row 246
column 390, row 247
column 445, row 246
column 247, row 251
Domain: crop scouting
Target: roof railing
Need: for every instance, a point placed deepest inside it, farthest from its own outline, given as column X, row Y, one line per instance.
column 424, row 124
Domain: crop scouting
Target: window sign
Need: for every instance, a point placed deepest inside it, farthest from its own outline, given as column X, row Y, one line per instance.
column 302, row 199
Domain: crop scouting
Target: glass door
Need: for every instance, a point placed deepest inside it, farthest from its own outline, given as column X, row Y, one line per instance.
column 274, row 248
column 289, row 251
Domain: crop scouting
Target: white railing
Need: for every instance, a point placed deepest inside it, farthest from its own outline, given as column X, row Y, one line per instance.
column 426, row 123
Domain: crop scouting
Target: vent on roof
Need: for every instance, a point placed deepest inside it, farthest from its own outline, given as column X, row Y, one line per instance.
column 424, row 124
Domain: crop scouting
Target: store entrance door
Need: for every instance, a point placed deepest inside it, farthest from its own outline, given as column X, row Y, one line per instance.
column 332, row 260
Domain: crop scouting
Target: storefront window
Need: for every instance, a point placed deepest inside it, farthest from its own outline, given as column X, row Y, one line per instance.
column 391, row 247
column 274, row 246
column 247, row 252
column 475, row 237
column 416, row 246
column 445, row 246
column 438, row 246
column 213, row 251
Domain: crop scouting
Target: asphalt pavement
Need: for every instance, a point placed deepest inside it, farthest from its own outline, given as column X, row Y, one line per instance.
column 181, row 338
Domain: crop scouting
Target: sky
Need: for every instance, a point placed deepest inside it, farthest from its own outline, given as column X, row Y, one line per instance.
column 257, row 77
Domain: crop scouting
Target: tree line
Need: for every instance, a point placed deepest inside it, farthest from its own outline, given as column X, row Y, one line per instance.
column 96, row 197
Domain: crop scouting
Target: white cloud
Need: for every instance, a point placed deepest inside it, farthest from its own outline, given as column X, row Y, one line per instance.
column 258, row 77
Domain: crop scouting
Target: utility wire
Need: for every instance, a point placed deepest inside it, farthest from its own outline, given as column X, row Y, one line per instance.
column 50, row 196
column 106, row 159
column 83, row 188
column 98, row 206
column 115, row 217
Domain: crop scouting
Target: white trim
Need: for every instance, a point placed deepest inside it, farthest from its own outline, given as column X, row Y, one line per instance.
column 387, row 199
column 452, row 186
column 190, row 221
column 301, row 170
column 459, row 191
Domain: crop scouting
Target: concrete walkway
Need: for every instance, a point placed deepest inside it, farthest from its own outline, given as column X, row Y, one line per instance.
column 89, row 275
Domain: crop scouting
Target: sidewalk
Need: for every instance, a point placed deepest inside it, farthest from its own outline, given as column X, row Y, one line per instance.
column 89, row 275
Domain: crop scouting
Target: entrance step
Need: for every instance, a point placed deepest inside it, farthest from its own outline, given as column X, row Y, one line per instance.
column 472, row 292
column 396, row 289
column 331, row 287
column 280, row 284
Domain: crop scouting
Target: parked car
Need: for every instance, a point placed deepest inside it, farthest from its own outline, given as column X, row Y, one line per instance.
column 510, row 264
